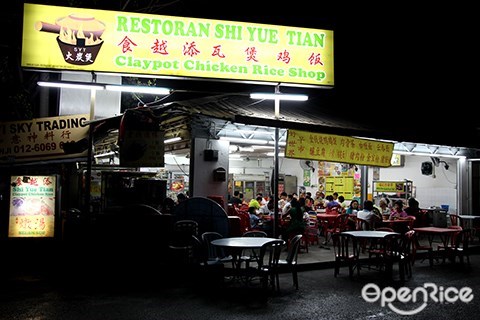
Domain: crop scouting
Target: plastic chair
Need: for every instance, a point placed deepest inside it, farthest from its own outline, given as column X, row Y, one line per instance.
column 182, row 244
column 456, row 220
column 268, row 263
column 397, row 249
column 460, row 246
column 346, row 252
column 251, row 254
column 339, row 225
column 417, row 246
column 215, row 254
column 290, row 262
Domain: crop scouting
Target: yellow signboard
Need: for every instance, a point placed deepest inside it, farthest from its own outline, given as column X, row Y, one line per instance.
column 42, row 138
column 318, row 146
column 343, row 185
column 389, row 186
column 32, row 206
column 108, row 41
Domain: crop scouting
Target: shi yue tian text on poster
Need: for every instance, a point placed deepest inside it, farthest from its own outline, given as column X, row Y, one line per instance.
column 32, row 206
column 108, row 41
column 334, row 148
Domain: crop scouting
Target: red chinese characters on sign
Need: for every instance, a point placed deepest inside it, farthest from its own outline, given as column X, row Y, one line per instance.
column 284, row 56
column 315, row 59
column 251, row 54
column 33, row 181
column 159, row 47
column 46, row 181
column 190, row 49
column 126, row 44
column 217, row 52
column 28, row 223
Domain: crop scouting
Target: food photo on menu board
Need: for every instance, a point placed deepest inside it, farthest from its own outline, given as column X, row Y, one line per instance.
column 32, row 206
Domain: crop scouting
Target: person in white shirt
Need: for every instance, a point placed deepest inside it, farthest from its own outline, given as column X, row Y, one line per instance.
column 287, row 204
column 267, row 209
column 263, row 202
column 368, row 215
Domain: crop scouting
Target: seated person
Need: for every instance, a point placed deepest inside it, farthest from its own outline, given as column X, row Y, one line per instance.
column 343, row 204
column 296, row 224
column 256, row 202
column 332, row 205
column 254, row 218
column 368, row 214
column 318, row 201
column 352, row 208
column 384, row 209
column 413, row 208
column 235, row 200
column 267, row 209
column 287, row 204
column 398, row 212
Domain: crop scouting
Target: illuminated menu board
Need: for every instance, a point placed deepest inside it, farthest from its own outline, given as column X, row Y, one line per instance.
column 32, row 206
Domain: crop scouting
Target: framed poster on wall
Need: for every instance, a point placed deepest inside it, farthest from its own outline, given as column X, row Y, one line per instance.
column 32, row 206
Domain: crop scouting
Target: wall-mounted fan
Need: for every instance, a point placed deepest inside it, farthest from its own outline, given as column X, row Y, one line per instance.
column 307, row 165
column 427, row 168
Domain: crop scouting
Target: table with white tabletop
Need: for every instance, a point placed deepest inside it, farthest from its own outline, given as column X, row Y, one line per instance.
column 236, row 245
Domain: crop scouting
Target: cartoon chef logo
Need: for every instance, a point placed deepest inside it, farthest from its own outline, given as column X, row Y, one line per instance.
column 79, row 37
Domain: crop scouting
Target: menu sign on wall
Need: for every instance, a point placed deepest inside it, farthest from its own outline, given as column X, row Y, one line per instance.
column 108, row 41
column 334, row 148
column 32, row 206
column 343, row 185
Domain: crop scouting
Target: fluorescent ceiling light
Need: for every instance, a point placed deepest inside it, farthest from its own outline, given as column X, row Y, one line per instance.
column 279, row 96
column 172, row 140
column 262, row 147
column 242, row 140
column 72, row 85
column 107, row 154
column 428, row 154
column 280, row 154
column 137, row 89
column 101, row 86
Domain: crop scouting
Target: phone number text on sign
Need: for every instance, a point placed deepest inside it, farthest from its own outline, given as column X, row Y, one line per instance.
column 41, row 138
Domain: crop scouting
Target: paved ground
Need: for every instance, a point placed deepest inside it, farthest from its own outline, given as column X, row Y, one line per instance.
column 70, row 292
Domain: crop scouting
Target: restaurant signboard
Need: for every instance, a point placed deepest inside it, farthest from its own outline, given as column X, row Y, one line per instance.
column 32, row 206
column 42, row 138
column 80, row 39
column 335, row 148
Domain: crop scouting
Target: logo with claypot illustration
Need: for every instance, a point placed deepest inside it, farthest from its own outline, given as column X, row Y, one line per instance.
column 79, row 37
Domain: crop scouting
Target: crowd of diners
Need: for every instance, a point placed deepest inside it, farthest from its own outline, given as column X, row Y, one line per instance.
column 296, row 210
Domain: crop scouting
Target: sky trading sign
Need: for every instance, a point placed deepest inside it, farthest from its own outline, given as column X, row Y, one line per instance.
column 131, row 43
